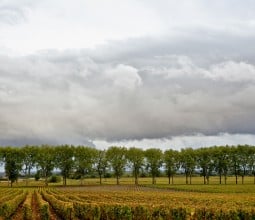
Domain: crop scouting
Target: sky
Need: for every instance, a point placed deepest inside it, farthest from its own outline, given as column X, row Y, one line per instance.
column 162, row 74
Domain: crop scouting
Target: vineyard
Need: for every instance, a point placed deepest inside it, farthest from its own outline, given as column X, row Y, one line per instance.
column 123, row 202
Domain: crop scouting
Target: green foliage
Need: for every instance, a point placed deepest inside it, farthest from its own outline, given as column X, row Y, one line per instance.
column 45, row 159
column 154, row 162
column 13, row 165
column 64, row 160
column 85, row 158
column 135, row 157
column 117, row 158
column 172, row 164
column 55, row 179
column 37, row 176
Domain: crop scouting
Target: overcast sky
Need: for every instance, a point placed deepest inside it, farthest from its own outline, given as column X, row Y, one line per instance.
column 135, row 73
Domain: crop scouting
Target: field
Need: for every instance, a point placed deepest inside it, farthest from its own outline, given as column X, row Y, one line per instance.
column 31, row 200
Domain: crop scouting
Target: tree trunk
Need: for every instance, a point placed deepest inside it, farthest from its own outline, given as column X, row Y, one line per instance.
column 204, row 179
column 100, row 179
column 236, row 178
column 153, row 180
column 207, row 179
column 169, row 179
column 118, row 180
column 187, row 179
column 220, row 178
column 46, row 181
column 172, row 179
column 225, row 177
column 136, row 180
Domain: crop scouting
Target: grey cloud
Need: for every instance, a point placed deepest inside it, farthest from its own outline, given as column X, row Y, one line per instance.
column 14, row 11
column 140, row 88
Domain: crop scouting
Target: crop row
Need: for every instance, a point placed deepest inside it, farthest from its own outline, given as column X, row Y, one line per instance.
column 11, row 202
column 141, row 205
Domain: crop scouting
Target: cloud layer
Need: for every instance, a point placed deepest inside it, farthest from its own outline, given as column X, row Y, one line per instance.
column 192, row 71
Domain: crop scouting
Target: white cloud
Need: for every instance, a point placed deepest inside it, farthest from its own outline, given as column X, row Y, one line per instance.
column 124, row 76
column 232, row 71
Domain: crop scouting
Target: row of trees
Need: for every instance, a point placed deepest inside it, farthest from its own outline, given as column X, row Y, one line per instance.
column 83, row 161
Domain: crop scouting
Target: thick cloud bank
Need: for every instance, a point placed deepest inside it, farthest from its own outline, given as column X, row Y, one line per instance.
column 73, row 96
column 73, row 73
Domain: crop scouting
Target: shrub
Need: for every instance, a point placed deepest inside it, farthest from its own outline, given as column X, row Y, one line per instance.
column 55, row 179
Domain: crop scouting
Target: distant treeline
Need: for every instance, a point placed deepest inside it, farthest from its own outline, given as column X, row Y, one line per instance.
column 82, row 161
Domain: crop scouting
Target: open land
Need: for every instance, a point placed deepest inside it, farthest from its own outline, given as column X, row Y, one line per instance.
column 32, row 200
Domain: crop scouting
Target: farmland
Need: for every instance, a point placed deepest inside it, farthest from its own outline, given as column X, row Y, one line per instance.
column 128, row 201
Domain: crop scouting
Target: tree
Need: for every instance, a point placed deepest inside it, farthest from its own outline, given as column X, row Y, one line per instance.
column 45, row 160
column 242, row 152
column 188, row 162
column 234, row 162
column 13, row 163
column 172, row 164
column 221, row 161
column 85, row 158
column 101, row 164
column 117, row 158
column 29, row 159
column 251, row 153
column 135, row 157
column 64, row 160
column 154, row 162
column 205, row 162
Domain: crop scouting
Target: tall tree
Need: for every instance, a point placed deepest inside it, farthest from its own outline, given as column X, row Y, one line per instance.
column 45, row 161
column 29, row 159
column 188, row 162
column 234, row 162
column 85, row 157
column 172, row 164
column 135, row 157
column 221, row 157
column 13, row 163
column 64, row 160
column 243, row 154
column 101, row 164
column 205, row 162
column 117, row 158
column 251, row 153
column 154, row 161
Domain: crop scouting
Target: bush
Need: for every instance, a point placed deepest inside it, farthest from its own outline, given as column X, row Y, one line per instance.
column 55, row 179
column 37, row 176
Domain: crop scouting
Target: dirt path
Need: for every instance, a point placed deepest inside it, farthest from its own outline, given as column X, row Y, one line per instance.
column 53, row 215
column 35, row 209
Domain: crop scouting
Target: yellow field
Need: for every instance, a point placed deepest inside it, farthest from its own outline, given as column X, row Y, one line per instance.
column 127, row 201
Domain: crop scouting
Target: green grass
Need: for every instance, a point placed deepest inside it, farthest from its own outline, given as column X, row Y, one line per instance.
column 161, row 182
